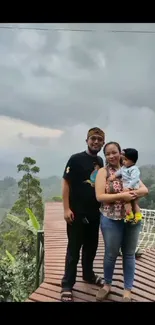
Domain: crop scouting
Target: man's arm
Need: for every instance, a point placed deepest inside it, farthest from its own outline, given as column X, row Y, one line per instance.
column 65, row 194
column 67, row 177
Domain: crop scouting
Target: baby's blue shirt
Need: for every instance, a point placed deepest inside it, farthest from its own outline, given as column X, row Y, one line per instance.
column 130, row 176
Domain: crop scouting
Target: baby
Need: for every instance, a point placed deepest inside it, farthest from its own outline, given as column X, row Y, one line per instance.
column 130, row 174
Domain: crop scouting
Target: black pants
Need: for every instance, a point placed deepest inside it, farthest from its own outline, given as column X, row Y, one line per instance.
column 85, row 236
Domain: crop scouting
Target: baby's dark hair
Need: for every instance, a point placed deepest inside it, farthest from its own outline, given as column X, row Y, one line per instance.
column 118, row 147
column 131, row 154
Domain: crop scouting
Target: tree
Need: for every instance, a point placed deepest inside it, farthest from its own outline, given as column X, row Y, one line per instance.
column 29, row 190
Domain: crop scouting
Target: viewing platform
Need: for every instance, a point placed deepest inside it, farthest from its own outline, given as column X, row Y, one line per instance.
column 55, row 243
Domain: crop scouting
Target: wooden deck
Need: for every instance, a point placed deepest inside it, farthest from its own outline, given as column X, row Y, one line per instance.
column 55, row 249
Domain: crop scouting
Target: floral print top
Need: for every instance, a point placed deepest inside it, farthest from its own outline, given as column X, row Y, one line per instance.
column 114, row 210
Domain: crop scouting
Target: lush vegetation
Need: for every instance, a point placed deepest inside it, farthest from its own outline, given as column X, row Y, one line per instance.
column 18, row 236
column 21, row 215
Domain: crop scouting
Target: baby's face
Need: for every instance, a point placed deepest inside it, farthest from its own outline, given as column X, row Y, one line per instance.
column 127, row 162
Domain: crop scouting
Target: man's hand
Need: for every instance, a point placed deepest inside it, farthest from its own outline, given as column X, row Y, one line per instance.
column 69, row 216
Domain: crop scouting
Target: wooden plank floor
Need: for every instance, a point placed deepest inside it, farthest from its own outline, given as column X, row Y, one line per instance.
column 55, row 250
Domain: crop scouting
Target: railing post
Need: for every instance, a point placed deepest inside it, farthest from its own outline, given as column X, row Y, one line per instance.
column 42, row 259
column 39, row 251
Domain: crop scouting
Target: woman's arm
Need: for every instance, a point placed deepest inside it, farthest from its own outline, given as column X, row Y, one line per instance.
column 142, row 191
column 101, row 196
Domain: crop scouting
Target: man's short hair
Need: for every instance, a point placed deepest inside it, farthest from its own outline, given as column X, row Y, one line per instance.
column 95, row 130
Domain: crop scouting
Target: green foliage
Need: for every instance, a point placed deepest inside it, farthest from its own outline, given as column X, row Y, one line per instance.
column 16, row 279
column 33, row 220
column 11, row 258
column 18, row 274
column 9, row 240
column 9, row 194
column 29, row 190
column 19, row 270
column 26, row 166
column 57, row 198
column 31, row 225
column 18, row 236
column 18, row 221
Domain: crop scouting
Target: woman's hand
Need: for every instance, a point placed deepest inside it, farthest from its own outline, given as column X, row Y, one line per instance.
column 101, row 196
column 129, row 196
column 142, row 191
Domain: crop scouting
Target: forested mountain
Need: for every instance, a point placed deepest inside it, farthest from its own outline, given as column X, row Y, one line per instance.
column 51, row 186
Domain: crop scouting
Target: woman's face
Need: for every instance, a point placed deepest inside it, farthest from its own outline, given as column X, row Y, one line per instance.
column 112, row 155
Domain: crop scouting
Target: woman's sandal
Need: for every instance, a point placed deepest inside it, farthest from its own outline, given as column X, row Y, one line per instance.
column 102, row 294
column 67, row 296
column 126, row 299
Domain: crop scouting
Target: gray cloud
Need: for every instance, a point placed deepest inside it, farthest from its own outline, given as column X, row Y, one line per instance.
column 73, row 80
column 35, row 141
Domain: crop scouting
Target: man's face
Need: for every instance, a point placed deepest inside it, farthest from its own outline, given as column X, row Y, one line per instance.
column 95, row 143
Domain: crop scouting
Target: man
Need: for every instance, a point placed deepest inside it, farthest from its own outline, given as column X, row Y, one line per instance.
column 81, row 212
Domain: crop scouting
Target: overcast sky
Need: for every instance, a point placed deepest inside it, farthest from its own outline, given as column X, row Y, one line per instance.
column 56, row 84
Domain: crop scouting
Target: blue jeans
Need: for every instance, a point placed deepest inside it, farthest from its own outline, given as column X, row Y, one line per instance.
column 116, row 235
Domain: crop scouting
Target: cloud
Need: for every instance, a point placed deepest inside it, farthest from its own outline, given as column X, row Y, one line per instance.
column 34, row 140
column 14, row 132
column 54, row 85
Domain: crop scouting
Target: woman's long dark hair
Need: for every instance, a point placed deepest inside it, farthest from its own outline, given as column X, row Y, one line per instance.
column 118, row 147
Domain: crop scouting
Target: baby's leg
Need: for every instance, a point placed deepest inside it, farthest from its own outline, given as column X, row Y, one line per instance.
column 135, row 206
column 129, row 213
column 128, row 208
column 136, row 210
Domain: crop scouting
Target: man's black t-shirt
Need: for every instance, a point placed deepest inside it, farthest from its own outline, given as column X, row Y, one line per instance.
column 80, row 172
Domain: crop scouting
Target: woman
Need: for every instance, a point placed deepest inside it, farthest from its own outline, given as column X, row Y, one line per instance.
column 116, row 233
